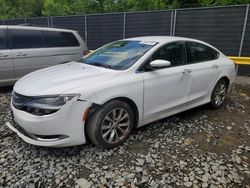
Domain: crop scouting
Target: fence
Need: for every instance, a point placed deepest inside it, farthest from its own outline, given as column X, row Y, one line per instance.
column 227, row 28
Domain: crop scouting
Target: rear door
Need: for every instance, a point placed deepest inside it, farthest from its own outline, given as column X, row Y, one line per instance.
column 203, row 64
column 28, row 51
column 6, row 64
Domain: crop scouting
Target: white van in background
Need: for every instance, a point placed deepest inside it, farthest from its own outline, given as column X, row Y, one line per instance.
column 24, row 49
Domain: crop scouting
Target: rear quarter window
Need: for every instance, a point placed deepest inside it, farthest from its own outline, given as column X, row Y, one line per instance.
column 60, row 39
column 214, row 53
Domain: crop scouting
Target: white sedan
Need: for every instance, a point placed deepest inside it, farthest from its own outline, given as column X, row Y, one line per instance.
column 119, row 87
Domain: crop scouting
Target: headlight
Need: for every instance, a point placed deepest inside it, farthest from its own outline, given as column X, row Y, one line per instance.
column 47, row 105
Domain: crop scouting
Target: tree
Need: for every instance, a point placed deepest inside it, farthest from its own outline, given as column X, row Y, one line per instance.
column 189, row 3
column 222, row 2
column 57, row 7
column 36, row 8
column 142, row 5
column 115, row 6
column 88, row 6
column 20, row 8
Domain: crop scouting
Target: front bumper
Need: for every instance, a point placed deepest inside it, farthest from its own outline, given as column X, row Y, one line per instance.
column 60, row 129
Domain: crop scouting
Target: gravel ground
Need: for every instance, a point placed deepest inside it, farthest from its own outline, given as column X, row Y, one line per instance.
column 197, row 148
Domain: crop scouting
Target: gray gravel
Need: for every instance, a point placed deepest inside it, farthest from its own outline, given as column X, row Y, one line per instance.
column 198, row 148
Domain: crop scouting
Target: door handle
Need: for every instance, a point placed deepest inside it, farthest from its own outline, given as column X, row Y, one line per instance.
column 21, row 54
column 215, row 66
column 187, row 71
column 3, row 55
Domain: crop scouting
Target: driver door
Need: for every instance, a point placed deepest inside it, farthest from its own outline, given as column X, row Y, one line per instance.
column 166, row 89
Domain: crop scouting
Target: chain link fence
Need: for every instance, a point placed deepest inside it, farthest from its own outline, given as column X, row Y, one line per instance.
column 227, row 28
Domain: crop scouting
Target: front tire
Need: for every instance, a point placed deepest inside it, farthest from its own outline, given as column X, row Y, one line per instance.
column 111, row 124
column 219, row 94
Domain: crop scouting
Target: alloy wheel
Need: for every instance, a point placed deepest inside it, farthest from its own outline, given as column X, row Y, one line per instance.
column 220, row 94
column 115, row 125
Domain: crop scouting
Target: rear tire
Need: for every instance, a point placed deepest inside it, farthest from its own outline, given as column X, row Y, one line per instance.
column 219, row 94
column 111, row 124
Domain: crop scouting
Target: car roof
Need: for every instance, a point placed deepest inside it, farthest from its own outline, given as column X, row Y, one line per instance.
column 33, row 28
column 163, row 39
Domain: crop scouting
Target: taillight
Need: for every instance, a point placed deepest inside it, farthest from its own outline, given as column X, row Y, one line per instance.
column 86, row 52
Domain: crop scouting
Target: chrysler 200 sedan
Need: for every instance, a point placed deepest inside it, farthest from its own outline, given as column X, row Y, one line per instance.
column 121, row 86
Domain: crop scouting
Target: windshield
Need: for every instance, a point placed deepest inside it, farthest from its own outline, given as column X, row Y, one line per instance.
column 119, row 55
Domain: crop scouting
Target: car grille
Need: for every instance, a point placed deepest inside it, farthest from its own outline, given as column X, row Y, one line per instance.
column 18, row 100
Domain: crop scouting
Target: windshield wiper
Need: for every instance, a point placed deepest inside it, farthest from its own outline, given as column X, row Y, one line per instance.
column 101, row 65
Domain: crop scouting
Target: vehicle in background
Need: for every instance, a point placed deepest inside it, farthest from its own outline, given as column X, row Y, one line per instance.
column 121, row 86
column 24, row 49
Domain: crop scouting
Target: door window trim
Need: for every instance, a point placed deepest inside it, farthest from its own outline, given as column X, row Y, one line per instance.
column 140, row 69
column 11, row 38
column 43, row 33
column 188, row 53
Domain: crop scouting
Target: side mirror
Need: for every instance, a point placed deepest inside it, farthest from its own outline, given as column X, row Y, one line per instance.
column 158, row 63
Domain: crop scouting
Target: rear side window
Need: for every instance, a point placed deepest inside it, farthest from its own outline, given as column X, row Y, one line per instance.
column 60, row 39
column 2, row 39
column 199, row 52
column 214, row 53
column 23, row 38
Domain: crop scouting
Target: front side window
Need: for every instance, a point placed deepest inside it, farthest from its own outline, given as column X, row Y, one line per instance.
column 173, row 52
column 2, row 39
column 22, row 38
column 119, row 55
column 60, row 39
column 199, row 53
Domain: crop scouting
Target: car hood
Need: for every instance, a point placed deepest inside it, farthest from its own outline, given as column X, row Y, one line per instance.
column 57, row 79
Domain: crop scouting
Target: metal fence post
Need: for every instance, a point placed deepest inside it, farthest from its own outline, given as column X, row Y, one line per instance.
column 48, row 21
column 174, row 22
column 124, row 24
column 86, row 29
column 51, row 22
column 171, row 23
column 243, row 31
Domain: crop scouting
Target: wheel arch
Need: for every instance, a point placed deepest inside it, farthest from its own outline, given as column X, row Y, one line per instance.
column 127, row 100
column 226, row 79
column 134, row 107
column 212, row 102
